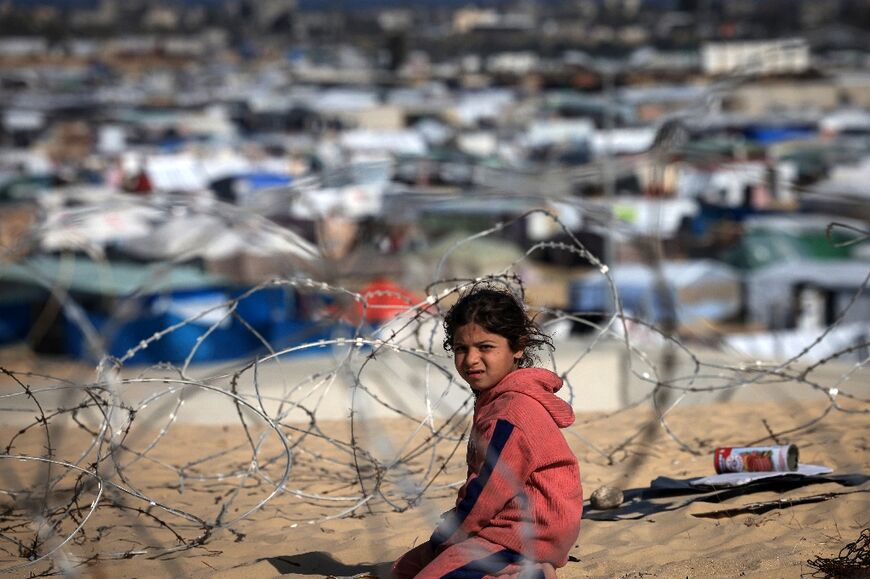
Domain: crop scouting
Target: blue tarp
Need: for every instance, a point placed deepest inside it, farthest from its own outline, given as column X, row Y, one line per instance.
column 127, row 303
column 237, row 188
column 263, row 180
column 270, row 312
column 774, row 134
column 15, row 322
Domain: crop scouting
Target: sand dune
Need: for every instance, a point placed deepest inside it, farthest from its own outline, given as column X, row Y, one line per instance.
column 192, row 483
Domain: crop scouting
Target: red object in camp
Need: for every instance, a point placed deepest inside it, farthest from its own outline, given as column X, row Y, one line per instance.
column 385, row 300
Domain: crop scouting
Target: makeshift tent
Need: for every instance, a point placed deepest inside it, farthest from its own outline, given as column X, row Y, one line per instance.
column 94, row 226
column 842, row 343
column 18, row 308
column 779, row 295
column 774, row 240
column 27, row 187
column 115, row 307
column 767, row 134
column 242, row 188
column 176, row 230
column 456, row 255
column 404, row 142
column 77, row 274
column 107, row 307
column 703, row 289
column 846, row 121
column 212, row 237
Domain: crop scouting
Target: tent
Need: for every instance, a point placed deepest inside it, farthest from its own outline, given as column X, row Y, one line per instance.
column 213, row 236
column 112, row 307
column 242, row 188
column 701, row 289
column 771, row 240
column 456, row 255
column 780, row 294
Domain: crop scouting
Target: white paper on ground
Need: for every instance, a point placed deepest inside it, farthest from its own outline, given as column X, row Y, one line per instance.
column 735, row 479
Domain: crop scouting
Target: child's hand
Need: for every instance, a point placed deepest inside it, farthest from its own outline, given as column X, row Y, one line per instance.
column 412, row 562
column 426, row 552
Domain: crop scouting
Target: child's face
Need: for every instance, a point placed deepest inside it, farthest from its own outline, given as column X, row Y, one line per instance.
column 482, row 358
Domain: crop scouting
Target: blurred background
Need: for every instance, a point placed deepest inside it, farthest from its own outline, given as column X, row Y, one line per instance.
column 239, row 222
column 160, row 158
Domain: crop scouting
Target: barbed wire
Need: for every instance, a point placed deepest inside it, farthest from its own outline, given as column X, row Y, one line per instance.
column 853, row 560
column 99, row 439
column 93, row 459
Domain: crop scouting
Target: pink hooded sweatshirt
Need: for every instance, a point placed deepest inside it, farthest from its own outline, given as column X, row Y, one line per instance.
column 523, row 487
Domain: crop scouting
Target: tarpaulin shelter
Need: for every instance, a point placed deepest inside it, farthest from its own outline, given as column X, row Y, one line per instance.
column 771, row 240
column 700, row 290
column 124, row 309
column 456, row 255
column 779, row 295
column 242, row 188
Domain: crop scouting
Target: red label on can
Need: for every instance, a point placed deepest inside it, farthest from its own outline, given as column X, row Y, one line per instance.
column 719, row 457
column 756, row 459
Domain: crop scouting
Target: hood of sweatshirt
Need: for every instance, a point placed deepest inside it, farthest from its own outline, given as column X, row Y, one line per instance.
column 536, row 383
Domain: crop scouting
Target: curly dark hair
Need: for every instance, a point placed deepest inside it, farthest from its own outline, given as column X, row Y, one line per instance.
column 497, row 312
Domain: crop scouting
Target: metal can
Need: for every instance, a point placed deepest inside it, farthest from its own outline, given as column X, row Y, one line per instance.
column 782, row 458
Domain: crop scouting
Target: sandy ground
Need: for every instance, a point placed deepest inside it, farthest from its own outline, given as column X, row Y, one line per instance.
column 205, row 464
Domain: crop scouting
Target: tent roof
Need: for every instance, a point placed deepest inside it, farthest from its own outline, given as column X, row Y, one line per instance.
column 835, row 274
column 108, row 278
column 677, row 273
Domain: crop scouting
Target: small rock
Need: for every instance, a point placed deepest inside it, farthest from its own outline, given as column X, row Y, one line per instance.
column 606, row 497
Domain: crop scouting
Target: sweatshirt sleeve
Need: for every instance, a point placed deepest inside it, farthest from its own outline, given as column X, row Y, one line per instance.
column 507, row 465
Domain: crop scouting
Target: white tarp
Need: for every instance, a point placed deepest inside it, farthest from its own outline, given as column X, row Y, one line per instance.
column 653, row 216
column 355, row 201
column 478, row 143
column 155, row 232
column 224, row 164
column 89, row 229
column 786, row 344
column 186, row 172
column 182, row 172
column 622, row 141
column 23, row 120
column 476, row 106
column 31, row 162
column 559, row 131
column 847, row 179
column 406, row 142
column 847, row 119
column 344, row 100
column 726, row 185
column 213, row 237
column 433, row 132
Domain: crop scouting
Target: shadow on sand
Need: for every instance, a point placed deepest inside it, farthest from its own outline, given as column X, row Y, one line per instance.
column 322, row 564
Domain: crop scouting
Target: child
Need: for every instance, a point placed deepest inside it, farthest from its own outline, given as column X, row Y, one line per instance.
column 519, row 509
